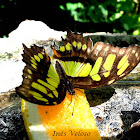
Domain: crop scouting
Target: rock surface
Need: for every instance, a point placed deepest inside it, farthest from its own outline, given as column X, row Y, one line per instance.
column 11, row 124
column 115, row 117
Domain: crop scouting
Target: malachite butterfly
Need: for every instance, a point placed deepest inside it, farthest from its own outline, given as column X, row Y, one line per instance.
column 76, row 64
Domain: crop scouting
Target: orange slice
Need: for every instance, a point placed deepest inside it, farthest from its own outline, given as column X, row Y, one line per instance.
column 70, row 120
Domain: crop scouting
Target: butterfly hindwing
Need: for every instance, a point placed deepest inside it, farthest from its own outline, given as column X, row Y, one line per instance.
column 41, row 83
column 91, row 66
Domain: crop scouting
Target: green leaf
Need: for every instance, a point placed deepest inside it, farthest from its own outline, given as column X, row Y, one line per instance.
column 104, row 12
column 73, row 6
column 62, row 7
column 116, row 16
column 136, row 32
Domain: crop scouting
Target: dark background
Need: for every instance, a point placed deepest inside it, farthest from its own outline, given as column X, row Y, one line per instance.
column 96, row 16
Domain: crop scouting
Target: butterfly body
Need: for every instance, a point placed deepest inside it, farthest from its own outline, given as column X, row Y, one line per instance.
column 77, row 64
column 64, row 79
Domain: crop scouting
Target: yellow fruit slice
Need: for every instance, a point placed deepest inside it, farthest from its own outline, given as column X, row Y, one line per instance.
column 57, row 122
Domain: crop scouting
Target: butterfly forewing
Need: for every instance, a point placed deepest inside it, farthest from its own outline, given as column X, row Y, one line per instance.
column 91, row 66
column 41, row 83
column 115, row 62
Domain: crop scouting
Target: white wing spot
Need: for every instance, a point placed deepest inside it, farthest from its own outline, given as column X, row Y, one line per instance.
column 136, row 54
column 133, row 51
column 99, row 47
column 111, row 81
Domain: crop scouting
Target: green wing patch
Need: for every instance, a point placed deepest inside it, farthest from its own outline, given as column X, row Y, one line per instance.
column 41, row 83
column 76, row 69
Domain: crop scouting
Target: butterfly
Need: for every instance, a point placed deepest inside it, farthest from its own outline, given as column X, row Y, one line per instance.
column 78, row 63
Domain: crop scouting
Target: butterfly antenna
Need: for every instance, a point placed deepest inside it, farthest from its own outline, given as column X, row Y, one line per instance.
column 71, row 100
column 79, row 97
column 73, row 105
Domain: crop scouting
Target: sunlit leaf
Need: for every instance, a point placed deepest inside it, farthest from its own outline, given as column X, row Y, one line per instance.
column 73, row 6
column 136, row 32
column 116, row 16
column 4, row 36
column 62, row 7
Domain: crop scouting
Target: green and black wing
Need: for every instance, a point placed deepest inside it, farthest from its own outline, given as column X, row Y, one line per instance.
column 41, row 83
column 77, row 60
column 90, row 66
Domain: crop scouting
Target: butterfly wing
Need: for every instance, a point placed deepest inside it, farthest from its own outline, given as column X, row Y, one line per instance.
column 90, row 66
column 41, row 83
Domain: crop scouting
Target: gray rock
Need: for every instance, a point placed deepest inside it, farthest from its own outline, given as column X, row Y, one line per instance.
column 115, row 117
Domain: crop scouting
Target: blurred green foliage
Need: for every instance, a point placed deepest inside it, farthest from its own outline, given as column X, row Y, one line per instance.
column 6, row 14
column 79, row 15
column 124, row 15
